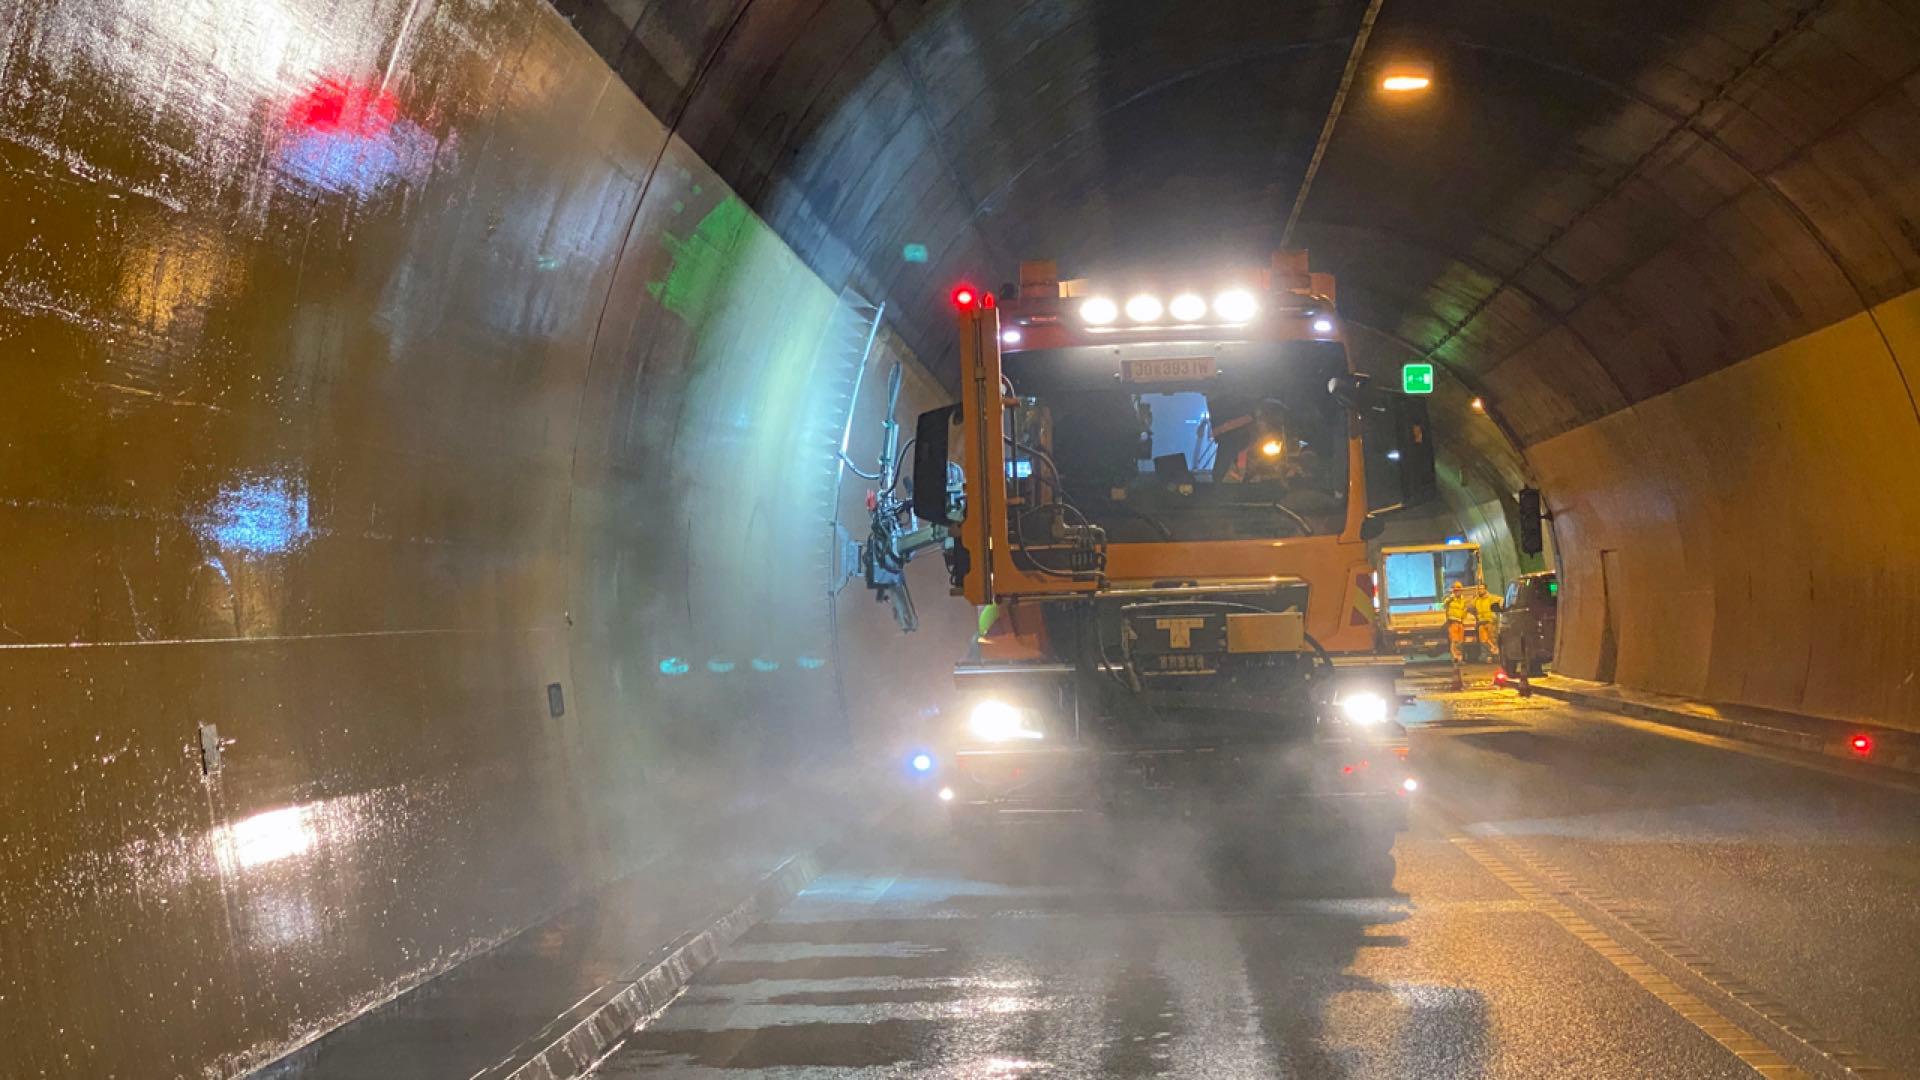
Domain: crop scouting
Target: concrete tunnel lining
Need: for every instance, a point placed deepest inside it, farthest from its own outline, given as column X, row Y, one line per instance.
column 350, row 431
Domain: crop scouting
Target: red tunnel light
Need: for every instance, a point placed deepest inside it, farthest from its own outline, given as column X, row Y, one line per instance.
column 1861, row 744
column 965, row 297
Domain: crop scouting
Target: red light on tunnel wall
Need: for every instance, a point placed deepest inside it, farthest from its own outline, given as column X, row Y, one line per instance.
column 337, row 107
column 1861, row 744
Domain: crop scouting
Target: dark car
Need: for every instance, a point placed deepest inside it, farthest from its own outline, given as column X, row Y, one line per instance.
column 1528, row 622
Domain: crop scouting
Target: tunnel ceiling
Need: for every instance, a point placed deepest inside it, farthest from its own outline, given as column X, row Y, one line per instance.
column 1601, row 199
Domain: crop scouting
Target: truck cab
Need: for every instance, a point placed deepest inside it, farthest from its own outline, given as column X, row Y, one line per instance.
column 1158, row 495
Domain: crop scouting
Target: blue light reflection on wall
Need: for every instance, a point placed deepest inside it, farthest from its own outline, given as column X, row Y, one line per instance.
column 258, row 517
column 349, row 163
column 675, row 665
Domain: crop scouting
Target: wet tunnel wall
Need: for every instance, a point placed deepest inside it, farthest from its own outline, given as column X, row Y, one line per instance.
column 417, row 477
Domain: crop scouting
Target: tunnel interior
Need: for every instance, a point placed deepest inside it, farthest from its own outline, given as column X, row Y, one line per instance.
column 420, row 447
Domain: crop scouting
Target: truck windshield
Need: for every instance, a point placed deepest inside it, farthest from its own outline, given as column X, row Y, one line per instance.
column 1243, row 442
column 1419, row 581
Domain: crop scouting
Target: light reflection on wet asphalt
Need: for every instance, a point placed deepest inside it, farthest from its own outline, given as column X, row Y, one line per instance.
column 1084, row 954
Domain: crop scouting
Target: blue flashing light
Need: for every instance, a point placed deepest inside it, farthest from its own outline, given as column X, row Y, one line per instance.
column 673, row 665
column 1456, row 539
column 922, row 762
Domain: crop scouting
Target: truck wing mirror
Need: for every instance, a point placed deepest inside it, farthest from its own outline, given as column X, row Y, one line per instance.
column 932, row 435
column 1413, row 437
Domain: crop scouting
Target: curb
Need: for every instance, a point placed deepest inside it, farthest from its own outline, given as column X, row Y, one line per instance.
column 603, row 1019
column 1896, row 751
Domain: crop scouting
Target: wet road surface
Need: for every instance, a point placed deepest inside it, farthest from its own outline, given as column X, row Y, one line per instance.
column 1576, row 897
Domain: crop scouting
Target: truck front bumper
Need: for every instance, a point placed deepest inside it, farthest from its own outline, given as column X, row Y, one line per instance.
column 1361, row 781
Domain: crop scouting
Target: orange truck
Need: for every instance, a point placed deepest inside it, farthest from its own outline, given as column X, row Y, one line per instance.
column 1158, row 496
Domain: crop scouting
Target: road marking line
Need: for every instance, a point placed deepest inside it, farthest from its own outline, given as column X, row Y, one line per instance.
column 1706, row 1019
column 1844, row 1057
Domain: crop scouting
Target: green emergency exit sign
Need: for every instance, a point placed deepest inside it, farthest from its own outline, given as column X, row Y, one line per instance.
column 1416, row 378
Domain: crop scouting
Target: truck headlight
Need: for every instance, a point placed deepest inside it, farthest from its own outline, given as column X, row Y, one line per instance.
column 1364, row 708
column 997, row 721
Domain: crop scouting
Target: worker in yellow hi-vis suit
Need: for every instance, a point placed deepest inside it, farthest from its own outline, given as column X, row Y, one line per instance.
column 1483, row 605
column 1458, row 605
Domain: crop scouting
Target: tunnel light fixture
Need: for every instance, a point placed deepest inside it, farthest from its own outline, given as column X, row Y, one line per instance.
column 1236, row 306
column 1098, row 311
column 1477, row 405
column 1188, row 308
column 1407, row 77
column 1145, row 308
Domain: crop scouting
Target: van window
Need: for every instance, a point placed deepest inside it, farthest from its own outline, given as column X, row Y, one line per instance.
column 1543, row 593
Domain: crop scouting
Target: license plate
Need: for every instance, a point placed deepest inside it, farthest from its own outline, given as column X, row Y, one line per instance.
column 1169, row 369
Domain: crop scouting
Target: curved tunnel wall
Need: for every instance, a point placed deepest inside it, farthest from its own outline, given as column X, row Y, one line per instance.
column 370, row 369
column 1603, row 205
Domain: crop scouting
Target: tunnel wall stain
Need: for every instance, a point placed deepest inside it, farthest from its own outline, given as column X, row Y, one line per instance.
column 1751, row 537
column 338, row 423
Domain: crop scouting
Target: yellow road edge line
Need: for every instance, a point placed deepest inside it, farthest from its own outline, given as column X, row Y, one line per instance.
column 1848, row 1058
column 1704, row 1017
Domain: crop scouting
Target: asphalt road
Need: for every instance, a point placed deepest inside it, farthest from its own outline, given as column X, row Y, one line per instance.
column 1576, row 897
